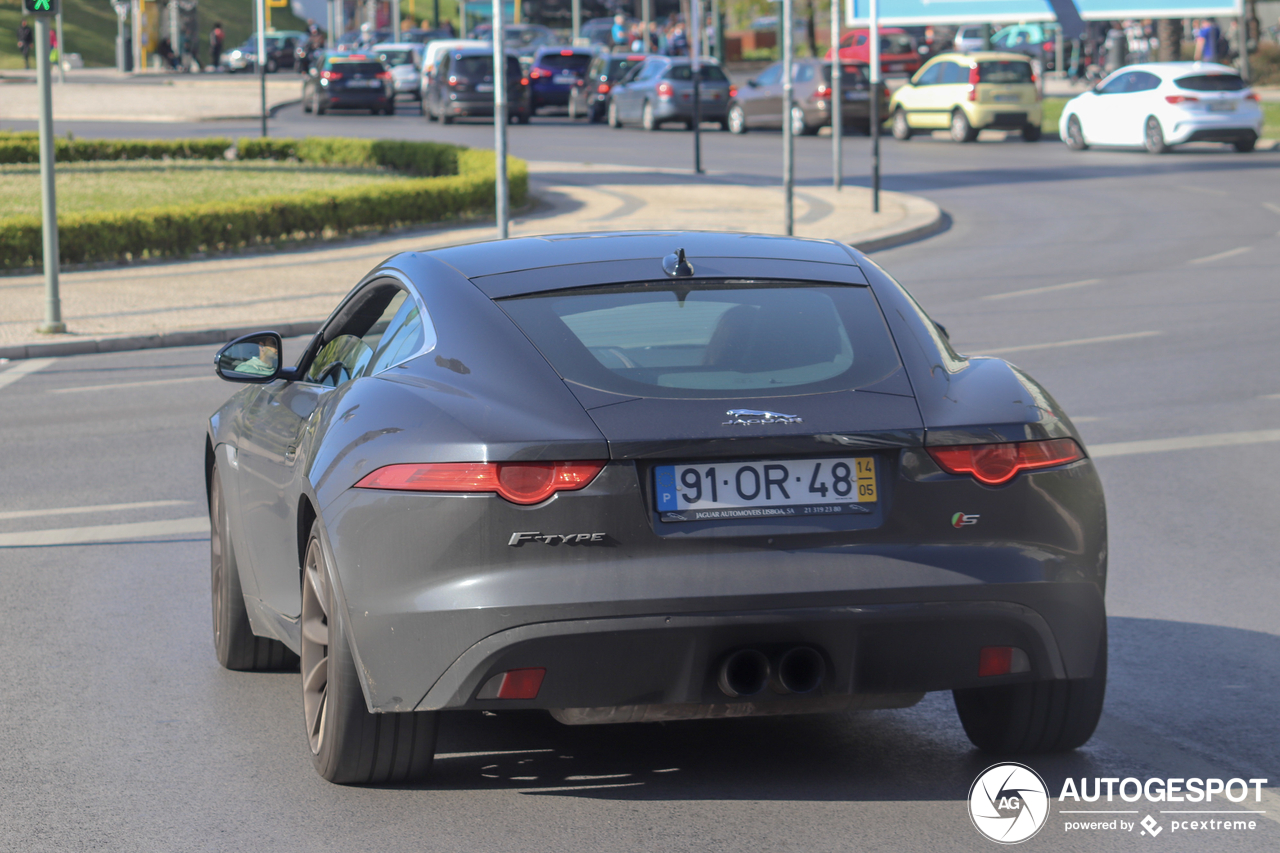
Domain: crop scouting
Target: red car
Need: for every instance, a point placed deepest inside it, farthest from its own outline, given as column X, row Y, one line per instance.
column 898, row 53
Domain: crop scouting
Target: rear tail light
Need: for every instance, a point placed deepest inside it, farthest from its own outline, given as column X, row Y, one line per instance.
column 822, row 91
column 535, row 74
column 453, row 81
column 1180, row 99
column 566, row 53
column 665, row 90
column 519, row 482
column 385, row 75
column 524, row 81
column 1002, row 660
column 330, row 75
column 603, row 88
column 1252, row 96
column 733, row 91
column 993, row 464
column 975, row 77
column 514, row 684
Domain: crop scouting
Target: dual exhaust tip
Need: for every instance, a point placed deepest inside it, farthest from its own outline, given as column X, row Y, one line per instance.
column 747, row 672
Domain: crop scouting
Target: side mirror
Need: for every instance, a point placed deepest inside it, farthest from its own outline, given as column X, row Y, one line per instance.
column 252, row 358
column 752, row 83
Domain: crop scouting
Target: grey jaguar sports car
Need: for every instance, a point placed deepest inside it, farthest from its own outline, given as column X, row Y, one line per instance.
column 649, row 476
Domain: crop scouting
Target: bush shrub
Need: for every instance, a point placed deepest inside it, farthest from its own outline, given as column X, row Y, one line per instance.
column 451, row 182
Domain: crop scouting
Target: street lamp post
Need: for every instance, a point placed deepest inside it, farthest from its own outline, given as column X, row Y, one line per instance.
column 695, row 71
column 48, row 200
column 837, row 103
column 875, row 105
column 499, row 120
column 262, row 61
column 788, row 150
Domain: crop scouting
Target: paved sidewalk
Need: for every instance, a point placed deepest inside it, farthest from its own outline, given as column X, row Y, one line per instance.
column 202, row 301
column 96, row 94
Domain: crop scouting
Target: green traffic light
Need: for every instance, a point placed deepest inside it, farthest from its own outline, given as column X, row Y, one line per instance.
column 42, row 4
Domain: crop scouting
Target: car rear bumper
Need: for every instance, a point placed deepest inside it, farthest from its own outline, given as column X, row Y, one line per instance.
column 868, row 650
column 1230, row 127
column 356, row 99
column 1011, row 116
column 672, row 109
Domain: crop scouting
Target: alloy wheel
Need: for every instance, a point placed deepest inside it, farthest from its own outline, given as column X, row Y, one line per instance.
column 1075, row 135
column 1154, row 136
column 315, row 645
column 737, row 121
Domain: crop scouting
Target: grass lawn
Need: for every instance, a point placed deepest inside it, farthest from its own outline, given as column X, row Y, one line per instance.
column 124, row 185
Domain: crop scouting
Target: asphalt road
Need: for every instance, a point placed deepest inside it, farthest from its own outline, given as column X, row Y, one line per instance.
column 1139, row 289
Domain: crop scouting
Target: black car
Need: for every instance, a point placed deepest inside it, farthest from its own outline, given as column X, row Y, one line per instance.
column 660, row 90
column 349, row 81
column 555, row 73
column 462, row 86
column 647, row 477
column 590, row 97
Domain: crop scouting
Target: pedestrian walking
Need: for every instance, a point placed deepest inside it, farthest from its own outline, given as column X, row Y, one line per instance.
column 1207, row 38
column 216, row 37
column 26, row 38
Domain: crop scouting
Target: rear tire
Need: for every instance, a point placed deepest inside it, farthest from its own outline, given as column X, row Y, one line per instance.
column 234, row 642
column 737, row 122
column 648, row 120
column 961, row 130
column 1244, row 146
column 1075, row 135
column 614, row 120
column 1153, row 137
column 308, row 104
column 349, row 745
column 901, row 130
column 1031, row 133
column 1043, row 716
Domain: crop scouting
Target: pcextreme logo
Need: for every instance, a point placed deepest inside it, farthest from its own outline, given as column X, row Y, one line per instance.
column 1008, row 803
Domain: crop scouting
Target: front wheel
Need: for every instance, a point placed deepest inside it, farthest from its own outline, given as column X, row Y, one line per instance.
column 614, row 120
column 348, row 744
column 1075, row 135
column 901, row 130
column 1043, row 716
column 961, row 130
column 234, row 642
column 1153, row 137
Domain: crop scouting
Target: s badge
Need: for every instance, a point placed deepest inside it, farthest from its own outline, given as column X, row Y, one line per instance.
column 961, row 520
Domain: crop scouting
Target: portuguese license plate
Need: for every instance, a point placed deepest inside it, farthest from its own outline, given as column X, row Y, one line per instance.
column 1007, row 99
column 484, row 87
column 705, row 491
column 564, row 79
column 856, row 96
column 1222, row 106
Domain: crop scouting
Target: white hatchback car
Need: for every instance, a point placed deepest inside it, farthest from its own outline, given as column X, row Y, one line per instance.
column 1161, row 104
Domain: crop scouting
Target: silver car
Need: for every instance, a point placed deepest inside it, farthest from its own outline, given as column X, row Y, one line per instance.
column 405, row 61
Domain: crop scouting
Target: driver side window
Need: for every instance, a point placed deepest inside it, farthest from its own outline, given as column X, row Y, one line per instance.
column 929, row 77
column 770, row 75
column 1117, row 84
column 354, row 338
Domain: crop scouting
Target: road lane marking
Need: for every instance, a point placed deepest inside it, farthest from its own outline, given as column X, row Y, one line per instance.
column 198, row 524
column 1128, row 336
column 76, row 510
column 1202, row 190
column 1229, row 253
column 23, row 368
column 1270, row 397
column 1186, row 442
column 138, row 384
column 1163, row 754
column 1071, row 285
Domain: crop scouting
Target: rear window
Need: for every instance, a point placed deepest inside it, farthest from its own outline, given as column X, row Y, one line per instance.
column 710, row 73
column 1004, row 71
column 618, row 67
column 895, row 44
column 710, row 340
column 397, row 57
column 355, row 66
column 851, row 75
column 1211, row 83
column 482, row 66
column 576, row 61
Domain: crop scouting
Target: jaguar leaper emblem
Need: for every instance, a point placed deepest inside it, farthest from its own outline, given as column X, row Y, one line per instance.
column 752, row 417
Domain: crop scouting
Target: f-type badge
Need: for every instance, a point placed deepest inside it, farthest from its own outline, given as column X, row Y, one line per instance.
column 752, row 417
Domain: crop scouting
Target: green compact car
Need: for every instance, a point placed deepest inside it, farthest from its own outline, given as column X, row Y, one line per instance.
column 967, row 92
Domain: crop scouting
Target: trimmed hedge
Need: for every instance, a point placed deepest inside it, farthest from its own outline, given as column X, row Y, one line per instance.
column 451, row 182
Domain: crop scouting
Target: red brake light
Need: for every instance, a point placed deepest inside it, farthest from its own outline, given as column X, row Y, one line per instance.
column 453, row 81
column 993, row 464
column 822, row 91
column 566, row 53
column 535, row 74
column 665, row 90
column 385, row 75
column 524, row 81
column 357, row 56
column 330, row 75
column 519, row 482
column 603, row 88
column 636, row 58
column 1252, row 96
column 1180, row 99
column 733, row 91
column 975, row 77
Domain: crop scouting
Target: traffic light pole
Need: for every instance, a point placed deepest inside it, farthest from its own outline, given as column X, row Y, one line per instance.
column 48, row 201
column 501, row 197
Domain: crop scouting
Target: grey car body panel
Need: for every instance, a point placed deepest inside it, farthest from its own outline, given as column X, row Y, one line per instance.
column 431, row 586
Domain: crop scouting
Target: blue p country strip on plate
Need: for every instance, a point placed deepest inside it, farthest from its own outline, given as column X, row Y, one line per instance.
column 701, row 491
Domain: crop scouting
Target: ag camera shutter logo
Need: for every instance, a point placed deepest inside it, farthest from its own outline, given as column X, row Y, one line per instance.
column 1008, row 803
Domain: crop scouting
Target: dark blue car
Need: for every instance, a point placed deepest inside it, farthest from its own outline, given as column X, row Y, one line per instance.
column 555, row 72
